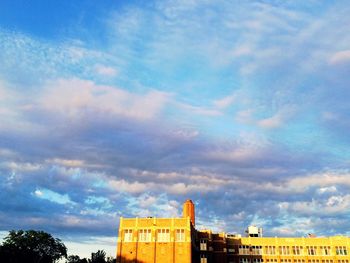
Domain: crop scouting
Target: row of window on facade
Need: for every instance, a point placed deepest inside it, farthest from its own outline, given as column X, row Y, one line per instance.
column 291, row 250
column 274, row 260
column 162, row 235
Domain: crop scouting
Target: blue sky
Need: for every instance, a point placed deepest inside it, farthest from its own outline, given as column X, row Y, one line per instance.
column 128, row 108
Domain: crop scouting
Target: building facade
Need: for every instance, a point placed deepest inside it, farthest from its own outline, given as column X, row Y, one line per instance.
column 175, row 240
column 161, row 240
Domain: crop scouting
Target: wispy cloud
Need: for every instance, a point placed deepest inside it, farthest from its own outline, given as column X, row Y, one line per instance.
column 74, row 97
column 340, row 57
column 278, row 119
column 106, row 71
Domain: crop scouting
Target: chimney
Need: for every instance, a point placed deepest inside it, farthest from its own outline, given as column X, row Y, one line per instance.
column 188, row 211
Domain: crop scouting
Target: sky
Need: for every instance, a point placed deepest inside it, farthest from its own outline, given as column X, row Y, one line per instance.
column 128, row 108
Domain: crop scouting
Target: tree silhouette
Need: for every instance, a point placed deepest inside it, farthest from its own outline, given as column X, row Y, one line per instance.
column 73, row 259
column 76, row 259
column 31, row 247
column 110, row 260
column 98, row 257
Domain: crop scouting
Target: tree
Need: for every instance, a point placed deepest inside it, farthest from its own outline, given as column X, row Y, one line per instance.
column 110, row 260
column 73, row 259
column 98, row 257
column 31, row 247
column 76, row 259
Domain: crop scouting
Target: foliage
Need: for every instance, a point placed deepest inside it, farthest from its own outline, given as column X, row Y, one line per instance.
column 73, row 259
column 40, row 247
column 31, row 247
column 76, row 259
column 111, row 260
column 98, row 257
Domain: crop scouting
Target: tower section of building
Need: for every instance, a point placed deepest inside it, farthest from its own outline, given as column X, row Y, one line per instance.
column 188, row 211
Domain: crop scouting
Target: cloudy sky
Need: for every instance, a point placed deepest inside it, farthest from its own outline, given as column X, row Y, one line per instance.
column 128, row 108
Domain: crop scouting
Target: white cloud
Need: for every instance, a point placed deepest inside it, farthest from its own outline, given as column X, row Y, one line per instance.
column 199, row 110
column 22, row 166
column 177, row 188
column 272, row 122
column 327, row 189
column 187, row 188
column 147, row 201
column 8, row 100
column 184, row 133
column 328, row 179
column 7, row 153
column 294, row 225
column 130, row 187
column 4, row 92
column 225, row 102
column 52, row 196
column 38, row 193
column 322, row 183
column 66, row 162
column 333, row 205
column 278, row 119
column 106, row 71
column 76, row 97
column 240, row 153
column 340, row 57
column 242, row 50
column 245, row 116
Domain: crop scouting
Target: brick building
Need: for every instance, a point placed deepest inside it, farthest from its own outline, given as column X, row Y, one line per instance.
column 175, row 240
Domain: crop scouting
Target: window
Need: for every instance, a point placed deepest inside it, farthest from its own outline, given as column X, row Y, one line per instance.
column 203, row 244
column 257, row 250
column 257, row 260
column 283, row 260
column 341, row 251
column 163, row 235
column 180, row 234
column 297, row 250
column 128, row 235
column 343, row 261
column 270, row 250
column 314, row 261
column 284, row 250
column 204, row 259
column 244, row 260
column 145, row 235
column 299, row 260
column 327, row 261
column 244, row 250
column 311, row 251
column 326, row 251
